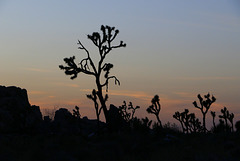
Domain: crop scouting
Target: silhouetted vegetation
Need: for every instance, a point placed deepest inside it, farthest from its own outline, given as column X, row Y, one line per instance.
column 104, row 44
column 204, row 106
column 213, row 116
column 155, row 108
column 127, row 113
column 226, row 116
column 93, row 97
column 188, row 122
column 63, row 135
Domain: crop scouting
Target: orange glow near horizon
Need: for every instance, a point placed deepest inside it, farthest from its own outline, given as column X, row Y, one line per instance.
column 168, row 105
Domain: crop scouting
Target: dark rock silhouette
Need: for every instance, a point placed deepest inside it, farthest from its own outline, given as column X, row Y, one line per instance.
column 116, row 121
column 16, row 113
column 64, row 122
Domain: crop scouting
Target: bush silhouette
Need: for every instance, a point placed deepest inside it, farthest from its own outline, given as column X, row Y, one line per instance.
column 100, row 70
column 204, row 106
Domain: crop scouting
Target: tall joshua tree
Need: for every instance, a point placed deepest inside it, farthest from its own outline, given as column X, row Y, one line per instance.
column 155, row 108
column 100, row 70
column 204, row 106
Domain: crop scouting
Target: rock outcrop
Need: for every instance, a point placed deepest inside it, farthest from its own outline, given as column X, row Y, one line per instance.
column 16, row 113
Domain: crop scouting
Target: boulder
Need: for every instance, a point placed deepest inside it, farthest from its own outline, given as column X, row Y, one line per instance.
column 65, row 122
column 16, row 113
column 116, row 121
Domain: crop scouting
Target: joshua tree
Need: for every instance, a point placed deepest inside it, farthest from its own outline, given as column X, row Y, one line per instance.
column 130, row 107
column 155, row 108
column 230, row 118
column 189, row 122
column 123, row 111
column 204, row 106
column 125, row 114
column 194, row 124
column 104, row 44
column 227, row 116
column 76, row 112
column 213, row 115
column 178, row 117
column 93, row 97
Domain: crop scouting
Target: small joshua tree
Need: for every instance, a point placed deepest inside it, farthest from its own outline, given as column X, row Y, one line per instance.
column 155, row 108
column 213, row 116
column 204, row 106
column 226, row 116
column 93, row 97
column 189, row 122
column 130, row 107
column 124, row 113
column 100, row 70
column 76, row 112
column 178, row 117
column 194, row 124
column 127, row 116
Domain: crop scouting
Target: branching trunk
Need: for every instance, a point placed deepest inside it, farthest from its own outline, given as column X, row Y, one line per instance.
column 104, row 44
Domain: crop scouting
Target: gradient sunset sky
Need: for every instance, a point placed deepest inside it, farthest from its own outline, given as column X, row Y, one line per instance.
column 176, row 49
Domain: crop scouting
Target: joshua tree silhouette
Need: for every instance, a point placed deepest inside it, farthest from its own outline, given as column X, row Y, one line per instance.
column 213, row 115
column 204, row 106
column 76, row 112
column 155, row 108
column 93, row 97
column 127, row 116
column 189, row 122
column 227, row 116
column 104, row 44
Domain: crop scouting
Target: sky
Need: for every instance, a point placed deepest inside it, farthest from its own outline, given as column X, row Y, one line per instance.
column 176, row 49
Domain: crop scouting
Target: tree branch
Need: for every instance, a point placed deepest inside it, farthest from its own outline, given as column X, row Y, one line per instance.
column 107, row 79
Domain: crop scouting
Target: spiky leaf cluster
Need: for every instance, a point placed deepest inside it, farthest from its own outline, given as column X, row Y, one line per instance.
column 204, row 103
column 155, row 107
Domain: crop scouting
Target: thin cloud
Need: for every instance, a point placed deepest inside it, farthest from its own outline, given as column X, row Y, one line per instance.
column 135, row 94
column 185, row 94
column 37, row 70
column 68, row 85
column 208, row 78
column 36, row 92
column 51, row 96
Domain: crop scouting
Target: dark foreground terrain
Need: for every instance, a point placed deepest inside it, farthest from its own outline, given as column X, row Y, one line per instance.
column 132, row 147
column 25, row 135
